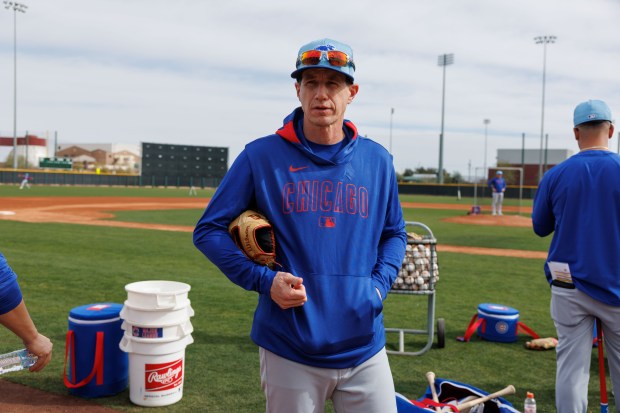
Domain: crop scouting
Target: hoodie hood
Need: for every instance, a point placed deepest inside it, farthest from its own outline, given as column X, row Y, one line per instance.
column 292, row 131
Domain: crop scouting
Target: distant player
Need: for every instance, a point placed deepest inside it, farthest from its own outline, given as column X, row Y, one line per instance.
column 25, row 181
column 498, row 186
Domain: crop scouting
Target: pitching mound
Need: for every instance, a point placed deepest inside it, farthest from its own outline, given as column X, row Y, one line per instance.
column 492, row 220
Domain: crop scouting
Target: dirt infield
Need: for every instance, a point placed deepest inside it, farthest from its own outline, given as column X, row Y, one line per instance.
column 17, row 398
column 99, row 210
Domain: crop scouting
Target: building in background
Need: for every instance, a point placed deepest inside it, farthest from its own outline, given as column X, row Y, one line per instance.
column 530, row 161
column 29, row 150
column 106, row 157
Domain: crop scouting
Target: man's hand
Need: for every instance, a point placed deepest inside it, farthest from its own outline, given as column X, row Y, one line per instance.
column 41, row 347
column 288, row 291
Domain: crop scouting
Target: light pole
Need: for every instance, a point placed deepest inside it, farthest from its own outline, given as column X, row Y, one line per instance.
column 486, row 125
column 17, row 7
column 391, row 116
column 443, row 60
column 544, row 40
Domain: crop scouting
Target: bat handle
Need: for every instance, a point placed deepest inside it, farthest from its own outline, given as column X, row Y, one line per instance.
column 430, row 376
column 507, row 390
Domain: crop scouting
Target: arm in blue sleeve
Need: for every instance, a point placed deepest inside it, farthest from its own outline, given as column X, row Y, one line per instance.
column 392, row 245
column 10, row 293
column 234, row 195
column 543, row 220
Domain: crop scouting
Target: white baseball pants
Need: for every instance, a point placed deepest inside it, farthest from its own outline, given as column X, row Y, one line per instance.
column 294, row 387
column 573, row 313
column 496, row 205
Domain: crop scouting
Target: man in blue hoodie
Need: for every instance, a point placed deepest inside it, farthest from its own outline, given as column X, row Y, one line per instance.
column 578, row 201
column 331, row 196
column 498, row 187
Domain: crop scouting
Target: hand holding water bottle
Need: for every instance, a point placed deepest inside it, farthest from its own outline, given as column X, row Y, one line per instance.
column 41, row 347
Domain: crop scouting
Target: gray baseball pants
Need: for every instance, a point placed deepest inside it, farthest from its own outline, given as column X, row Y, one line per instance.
column 573, row 313
column 294, row 387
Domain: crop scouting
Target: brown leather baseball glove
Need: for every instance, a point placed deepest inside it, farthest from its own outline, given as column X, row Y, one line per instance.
column 254, row 235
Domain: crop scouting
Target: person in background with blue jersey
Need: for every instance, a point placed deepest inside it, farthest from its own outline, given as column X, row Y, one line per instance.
column 14, row 316
column 498, row 187
column 331, row 196
column 579, row 201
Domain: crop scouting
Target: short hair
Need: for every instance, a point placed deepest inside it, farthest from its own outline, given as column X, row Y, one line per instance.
column 595, row 124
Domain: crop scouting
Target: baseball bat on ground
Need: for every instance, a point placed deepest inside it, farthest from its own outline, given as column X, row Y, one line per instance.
column 430, row 376
column 507, row 390
column 601, row 365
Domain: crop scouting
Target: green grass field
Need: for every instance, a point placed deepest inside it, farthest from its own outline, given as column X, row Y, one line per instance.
column 64, row 266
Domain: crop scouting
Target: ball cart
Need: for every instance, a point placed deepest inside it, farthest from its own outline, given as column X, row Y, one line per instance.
column 418, row 276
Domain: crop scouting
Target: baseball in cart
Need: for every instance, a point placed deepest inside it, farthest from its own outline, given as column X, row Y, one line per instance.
column 418, row 276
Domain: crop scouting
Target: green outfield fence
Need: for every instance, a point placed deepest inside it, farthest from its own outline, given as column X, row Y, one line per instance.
column 463, row 190
column 47, row 177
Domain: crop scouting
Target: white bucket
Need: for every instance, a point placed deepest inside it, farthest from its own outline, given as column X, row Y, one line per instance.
column 157, row 333
column 157, row 295
column 153, row 318
column 156, row 371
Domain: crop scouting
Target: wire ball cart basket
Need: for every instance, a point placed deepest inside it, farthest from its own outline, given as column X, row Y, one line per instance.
column 418, row 276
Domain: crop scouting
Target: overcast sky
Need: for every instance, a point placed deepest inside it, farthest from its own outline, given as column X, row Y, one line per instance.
column 217, row 73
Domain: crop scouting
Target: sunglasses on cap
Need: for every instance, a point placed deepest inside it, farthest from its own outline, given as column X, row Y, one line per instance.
column 334, row 57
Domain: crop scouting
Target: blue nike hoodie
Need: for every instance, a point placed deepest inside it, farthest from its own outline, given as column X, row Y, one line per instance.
column 338, row 224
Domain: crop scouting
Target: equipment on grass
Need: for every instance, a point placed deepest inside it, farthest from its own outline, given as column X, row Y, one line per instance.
column 542, row 343
column 496, row 322
column 419, row 275
column 453, row 396
column 430, row 376
column 253, row 234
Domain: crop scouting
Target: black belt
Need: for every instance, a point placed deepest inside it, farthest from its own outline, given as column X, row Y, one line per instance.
column 563, row 284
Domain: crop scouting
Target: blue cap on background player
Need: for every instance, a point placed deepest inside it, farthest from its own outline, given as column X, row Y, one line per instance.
column 499, row 173
column 590, row 111
column 326, row 54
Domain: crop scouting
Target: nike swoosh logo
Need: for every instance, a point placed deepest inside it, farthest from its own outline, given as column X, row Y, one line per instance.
column 293, row 169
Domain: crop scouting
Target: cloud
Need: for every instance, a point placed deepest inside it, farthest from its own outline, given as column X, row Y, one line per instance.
column 217, row 73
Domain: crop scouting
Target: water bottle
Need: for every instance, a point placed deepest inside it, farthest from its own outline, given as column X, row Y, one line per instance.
column 529, row 406
column 16, row 360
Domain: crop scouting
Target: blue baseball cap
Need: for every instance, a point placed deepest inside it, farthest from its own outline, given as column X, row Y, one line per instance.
column 339, row 63
column 499, row 173
column 590, row 111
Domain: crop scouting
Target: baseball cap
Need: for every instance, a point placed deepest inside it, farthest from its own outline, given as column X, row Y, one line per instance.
column 590, row 111
column 499, row 173
column 327, row 54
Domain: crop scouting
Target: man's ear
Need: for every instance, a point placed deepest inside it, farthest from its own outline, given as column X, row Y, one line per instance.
column 611, row 131
column 576, row 132
column 353, row 89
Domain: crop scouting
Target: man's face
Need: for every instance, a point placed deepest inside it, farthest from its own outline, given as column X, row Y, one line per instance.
column 324, row 95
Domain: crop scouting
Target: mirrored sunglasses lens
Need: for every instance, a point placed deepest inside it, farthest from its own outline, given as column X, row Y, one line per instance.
column 310, row 57
column 337, row 58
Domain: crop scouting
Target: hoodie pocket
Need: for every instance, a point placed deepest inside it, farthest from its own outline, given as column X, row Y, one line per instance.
column 341, row 313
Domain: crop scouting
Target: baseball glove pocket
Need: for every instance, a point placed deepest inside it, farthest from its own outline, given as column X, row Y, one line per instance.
column 340, row 313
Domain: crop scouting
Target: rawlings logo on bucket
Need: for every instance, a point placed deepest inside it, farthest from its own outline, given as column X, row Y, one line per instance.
column 159, row 377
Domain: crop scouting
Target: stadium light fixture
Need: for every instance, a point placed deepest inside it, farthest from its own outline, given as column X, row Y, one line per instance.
column 17, row 7
column 486, row 126
column 443, row 60
column 544, row 40
column 391, row 118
